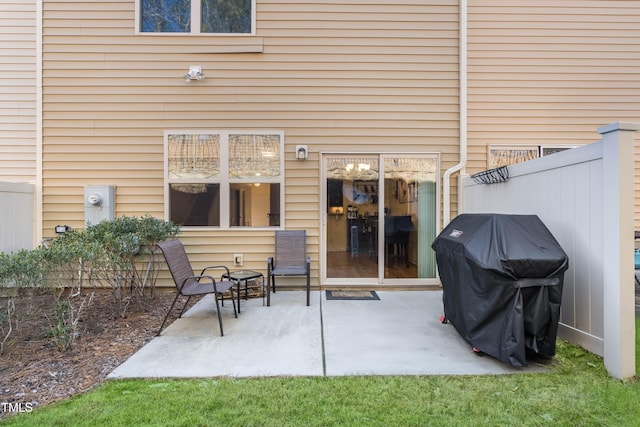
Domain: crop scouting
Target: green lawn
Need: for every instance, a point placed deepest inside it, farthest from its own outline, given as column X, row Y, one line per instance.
column 576, row 392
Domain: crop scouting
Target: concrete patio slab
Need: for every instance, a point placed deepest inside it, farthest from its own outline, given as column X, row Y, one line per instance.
column 284, row 339
column 400, row 334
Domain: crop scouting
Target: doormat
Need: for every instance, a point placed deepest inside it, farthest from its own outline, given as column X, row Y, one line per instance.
column 352, row 295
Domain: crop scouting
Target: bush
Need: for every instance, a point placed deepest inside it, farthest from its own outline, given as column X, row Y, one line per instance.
column 120, row 254
column 22, row 269
column 7, row 321
column 63, row 329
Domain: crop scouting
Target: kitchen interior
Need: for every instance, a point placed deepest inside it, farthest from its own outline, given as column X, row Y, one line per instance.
column 353, row 249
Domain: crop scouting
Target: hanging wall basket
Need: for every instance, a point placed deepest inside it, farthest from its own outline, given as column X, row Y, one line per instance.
column 492, row 176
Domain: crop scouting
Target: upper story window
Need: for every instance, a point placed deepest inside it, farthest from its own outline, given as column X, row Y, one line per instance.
column 224, row 179
column 197, row 16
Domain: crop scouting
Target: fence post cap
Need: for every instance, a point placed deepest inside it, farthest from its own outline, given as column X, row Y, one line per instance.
column 617, row 126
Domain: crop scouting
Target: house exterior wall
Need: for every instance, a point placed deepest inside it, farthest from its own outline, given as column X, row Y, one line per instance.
column 18, row 91
column 359, row 77
column 551, row 72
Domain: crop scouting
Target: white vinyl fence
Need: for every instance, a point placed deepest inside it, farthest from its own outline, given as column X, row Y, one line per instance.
column 585, row 197
column 16, row 216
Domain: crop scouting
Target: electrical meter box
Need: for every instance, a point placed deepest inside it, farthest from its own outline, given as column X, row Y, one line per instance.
column 99, row 203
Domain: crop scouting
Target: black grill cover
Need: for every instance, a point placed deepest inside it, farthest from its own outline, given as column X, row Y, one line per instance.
column 502, row 278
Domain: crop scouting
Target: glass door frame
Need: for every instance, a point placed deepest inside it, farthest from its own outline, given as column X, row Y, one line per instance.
column 324, row 216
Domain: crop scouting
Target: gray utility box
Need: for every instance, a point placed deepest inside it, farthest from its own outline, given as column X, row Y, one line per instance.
column 99, row 203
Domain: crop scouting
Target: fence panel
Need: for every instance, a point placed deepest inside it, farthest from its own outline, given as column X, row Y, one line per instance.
column 17, row 219
column 582, row 195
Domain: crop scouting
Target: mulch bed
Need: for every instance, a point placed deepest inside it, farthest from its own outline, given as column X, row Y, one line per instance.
column 34, row 371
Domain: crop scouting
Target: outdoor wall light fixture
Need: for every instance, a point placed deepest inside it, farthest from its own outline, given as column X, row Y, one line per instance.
column 61, row 229
column 302, row 152
column 195, row 73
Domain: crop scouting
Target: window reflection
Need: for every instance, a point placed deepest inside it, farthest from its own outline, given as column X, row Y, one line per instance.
column 226, row 16
column 166, row 16
column 195, row 204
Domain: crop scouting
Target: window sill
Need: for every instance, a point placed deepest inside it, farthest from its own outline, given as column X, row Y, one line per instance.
column 199, row 43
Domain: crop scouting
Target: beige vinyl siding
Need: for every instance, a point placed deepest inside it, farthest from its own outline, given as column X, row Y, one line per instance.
column 550, row 72
column 18, row 91
column 357, row 76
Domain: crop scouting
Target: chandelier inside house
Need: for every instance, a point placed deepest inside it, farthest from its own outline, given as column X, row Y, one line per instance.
column 194, row 156
column 252, row 155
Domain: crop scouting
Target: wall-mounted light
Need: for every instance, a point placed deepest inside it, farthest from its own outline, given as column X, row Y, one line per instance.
column 302, row 152
column 195, row 73
column 61, row 229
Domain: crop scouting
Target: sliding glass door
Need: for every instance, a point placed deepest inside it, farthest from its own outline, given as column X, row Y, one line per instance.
column 381, row 216
column 351, row 227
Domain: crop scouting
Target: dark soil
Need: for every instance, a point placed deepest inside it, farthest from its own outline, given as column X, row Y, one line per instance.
column 34, row 371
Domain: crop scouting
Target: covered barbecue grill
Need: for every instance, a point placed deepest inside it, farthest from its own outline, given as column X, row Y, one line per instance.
column 502, row 278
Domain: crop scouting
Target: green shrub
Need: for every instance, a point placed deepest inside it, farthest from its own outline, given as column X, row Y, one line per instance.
column 22, row 269
column 63, row 328
column 120, row 254
column 69, row 260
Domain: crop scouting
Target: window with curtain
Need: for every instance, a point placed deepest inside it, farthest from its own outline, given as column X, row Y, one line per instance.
column 197, row 16
column 508, row 155
column 505, row 155
column 224, row 179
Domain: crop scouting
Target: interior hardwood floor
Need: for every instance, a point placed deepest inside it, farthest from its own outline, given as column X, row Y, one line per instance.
column 343, row 264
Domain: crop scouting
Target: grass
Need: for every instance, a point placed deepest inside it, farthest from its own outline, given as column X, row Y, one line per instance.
column 576, row 391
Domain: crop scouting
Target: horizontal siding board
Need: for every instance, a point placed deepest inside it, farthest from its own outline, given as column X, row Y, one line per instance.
column 333, row 127
column 387, row 119
column 402, row 60
column 188, row 48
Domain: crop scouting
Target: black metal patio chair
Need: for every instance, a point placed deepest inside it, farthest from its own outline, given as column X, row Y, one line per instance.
column 188, row 284
column 290, row 259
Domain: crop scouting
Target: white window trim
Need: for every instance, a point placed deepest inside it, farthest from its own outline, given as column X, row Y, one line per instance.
column 542, row 147
column 195, row 23
column 224, row 180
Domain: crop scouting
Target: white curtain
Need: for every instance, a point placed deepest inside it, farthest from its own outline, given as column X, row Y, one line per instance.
column 509, row 156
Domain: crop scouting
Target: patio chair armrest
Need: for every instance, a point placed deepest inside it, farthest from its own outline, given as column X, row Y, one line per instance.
column 218, row 267
column 270, row 262
column 204, row 276
column 196, row 278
